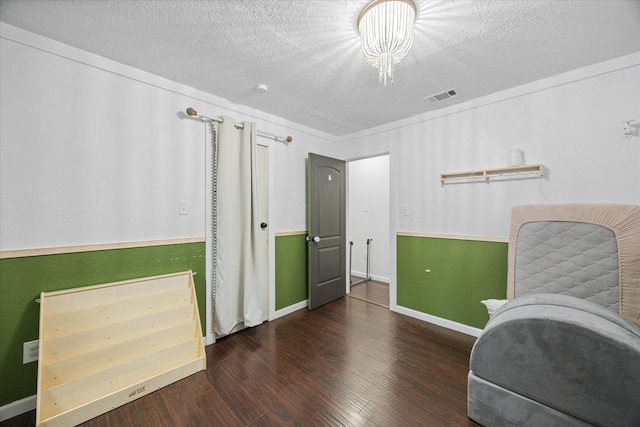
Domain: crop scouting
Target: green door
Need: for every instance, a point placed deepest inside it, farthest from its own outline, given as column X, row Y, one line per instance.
column 326, row 225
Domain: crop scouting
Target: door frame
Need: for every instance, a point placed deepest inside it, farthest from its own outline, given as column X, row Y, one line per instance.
column 263, row 176
column 390, row 228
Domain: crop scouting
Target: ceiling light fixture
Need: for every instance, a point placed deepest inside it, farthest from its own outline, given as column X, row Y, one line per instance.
column 386, row 29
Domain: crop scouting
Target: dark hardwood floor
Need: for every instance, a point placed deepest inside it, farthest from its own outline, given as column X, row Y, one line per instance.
column 372, row 291
column 347, row 363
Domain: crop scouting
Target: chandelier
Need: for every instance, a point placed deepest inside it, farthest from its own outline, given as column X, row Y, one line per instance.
column 386, row 29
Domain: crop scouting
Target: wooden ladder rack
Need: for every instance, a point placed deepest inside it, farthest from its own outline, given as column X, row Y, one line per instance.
column 105, row 345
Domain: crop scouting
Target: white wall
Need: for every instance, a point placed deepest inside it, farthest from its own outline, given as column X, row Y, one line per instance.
column 570, row 123
column 93, row 151
column 369, row 215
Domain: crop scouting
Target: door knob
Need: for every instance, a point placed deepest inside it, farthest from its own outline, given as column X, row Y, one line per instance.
column 316, row 239
column 263, row 225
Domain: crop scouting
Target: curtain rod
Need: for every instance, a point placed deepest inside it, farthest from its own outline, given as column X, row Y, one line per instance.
column 193, row 113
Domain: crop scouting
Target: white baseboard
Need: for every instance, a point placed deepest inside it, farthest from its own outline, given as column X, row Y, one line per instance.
column 380, row 279
column 373, row 276
column 445, row 323
column 209, row 339
column 18, row 407
column 290, row 309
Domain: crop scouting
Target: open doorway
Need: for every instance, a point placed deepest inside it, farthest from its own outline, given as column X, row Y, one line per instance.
column 368, row 228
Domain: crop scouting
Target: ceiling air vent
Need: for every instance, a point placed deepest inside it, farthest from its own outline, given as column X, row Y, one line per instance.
column 441, row 96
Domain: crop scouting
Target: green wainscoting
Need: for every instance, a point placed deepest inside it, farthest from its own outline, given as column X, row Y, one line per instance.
column 291, row 270
column 462, row 273
column 22, row 279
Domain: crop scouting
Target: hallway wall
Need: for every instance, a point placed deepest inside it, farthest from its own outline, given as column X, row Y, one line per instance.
column 368, row 215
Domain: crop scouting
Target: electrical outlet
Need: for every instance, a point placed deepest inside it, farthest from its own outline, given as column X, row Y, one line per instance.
column 30, row 351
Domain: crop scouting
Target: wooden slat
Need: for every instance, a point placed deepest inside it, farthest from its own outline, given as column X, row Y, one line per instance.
column 97, row 295
column 74, row 394
column 71, row 369
column 61, row 348
column 126, row 395
column 66, row 323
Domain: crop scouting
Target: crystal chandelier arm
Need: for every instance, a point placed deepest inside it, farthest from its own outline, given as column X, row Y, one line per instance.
column 386, row 29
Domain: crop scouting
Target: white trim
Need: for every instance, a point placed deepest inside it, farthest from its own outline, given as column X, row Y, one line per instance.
column 21, row 253
column 291, row 233
column 367, row 156
column 18, row 407
column 288, row 310
column 454, row 237
column 582, row 73
column 273, row 202
column 445, row 323
column 380, row 279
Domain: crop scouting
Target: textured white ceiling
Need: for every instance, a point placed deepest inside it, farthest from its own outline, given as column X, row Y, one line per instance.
column 308, row 52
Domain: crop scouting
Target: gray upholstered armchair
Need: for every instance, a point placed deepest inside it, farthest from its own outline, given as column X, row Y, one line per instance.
column 565, row 350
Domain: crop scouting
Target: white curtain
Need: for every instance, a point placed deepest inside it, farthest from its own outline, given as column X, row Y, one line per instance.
column 236, row 229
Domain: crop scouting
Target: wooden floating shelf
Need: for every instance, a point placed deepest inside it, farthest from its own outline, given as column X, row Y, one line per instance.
column 106, row 345
column 486, row 174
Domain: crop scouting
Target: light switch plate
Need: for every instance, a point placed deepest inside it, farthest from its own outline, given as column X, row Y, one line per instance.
column 184, row 207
